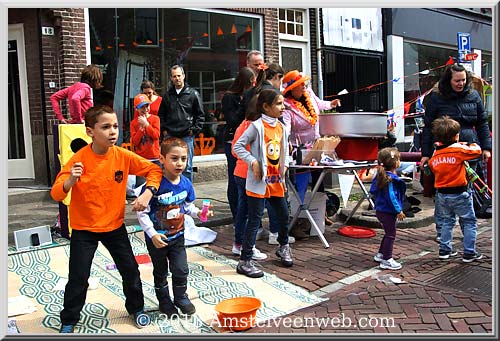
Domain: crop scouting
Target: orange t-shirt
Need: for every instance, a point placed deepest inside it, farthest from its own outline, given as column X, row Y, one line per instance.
column 241, row 168
column 98, row 198
column 275, row 182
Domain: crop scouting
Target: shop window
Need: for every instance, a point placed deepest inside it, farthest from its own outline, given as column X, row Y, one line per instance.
column 419, row 58
column 211, row 57
column 199, row 28
column 146, row 26
column 291, row 22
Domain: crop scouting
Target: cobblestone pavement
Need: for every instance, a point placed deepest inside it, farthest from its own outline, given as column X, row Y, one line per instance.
column 360, row 293
column 436, row 297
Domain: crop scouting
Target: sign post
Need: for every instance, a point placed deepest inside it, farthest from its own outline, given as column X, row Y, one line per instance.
column 464, row 48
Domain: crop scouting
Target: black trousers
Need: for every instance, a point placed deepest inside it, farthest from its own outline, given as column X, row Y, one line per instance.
column 171, row 257
column 82, row 249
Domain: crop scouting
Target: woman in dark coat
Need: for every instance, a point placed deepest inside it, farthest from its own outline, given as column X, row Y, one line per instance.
column 456, row 98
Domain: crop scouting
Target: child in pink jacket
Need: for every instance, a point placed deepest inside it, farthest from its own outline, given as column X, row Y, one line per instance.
column 79, row 95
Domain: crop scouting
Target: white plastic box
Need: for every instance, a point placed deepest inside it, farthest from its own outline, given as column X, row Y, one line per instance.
column 317, row 210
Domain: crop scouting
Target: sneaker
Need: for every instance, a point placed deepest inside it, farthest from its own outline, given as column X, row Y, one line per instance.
column 447, row 254
column 438, row 239
column 379, row 257
column 249, row 268
column 273, row 239
column 141, row 319
column 390, row 264
column 467, row 258
column 257, row 255
column 67, row 328
column 236, row 250
column 285, row 253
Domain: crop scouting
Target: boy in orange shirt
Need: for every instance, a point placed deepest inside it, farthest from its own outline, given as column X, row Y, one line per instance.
column 453, row 195
column 97, row 175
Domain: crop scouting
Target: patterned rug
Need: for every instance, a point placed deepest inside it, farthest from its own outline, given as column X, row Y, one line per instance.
column 35, row 277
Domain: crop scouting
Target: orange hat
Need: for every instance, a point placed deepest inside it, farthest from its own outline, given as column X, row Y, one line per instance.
column 140, row 100
column 293, row 79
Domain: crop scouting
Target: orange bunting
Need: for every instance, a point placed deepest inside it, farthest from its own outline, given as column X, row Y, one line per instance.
column 233, row 29
column 98, row 48
column 109, row 46
column 149, row 41
column 205, row 34
column 263, row 67
column 161, row 40
column 248, row 29
column 135, row 43
column 219, row 31
column 121, row 45
column 173, row 39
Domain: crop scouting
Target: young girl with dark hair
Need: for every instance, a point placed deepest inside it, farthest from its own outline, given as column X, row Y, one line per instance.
column 389, row 192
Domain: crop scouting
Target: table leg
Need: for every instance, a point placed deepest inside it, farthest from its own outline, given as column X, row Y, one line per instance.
column 305, row 207
column 366, row 196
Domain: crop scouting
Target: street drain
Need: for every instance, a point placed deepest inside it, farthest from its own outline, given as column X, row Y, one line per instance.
column 469, row 279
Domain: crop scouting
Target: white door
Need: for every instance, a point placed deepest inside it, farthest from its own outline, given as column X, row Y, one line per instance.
column 293, row 56
column 20, row 149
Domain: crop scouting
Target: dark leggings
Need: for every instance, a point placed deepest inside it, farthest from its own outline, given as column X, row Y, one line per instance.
column 388, row 221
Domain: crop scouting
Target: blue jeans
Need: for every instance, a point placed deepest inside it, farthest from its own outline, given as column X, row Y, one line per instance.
column 448, row 207
column 188, row 172
column 232, row 190
column 240, row 220
column 255, row 212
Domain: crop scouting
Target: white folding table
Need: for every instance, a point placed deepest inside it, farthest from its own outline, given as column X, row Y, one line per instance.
column 348, row 168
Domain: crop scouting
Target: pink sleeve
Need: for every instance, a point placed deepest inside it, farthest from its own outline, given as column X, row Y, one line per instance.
column 75, row 103
column 322, row 105
column 55, row 98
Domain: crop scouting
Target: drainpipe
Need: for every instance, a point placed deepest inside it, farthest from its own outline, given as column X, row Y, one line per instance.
column 44, row 102
column 318, row 51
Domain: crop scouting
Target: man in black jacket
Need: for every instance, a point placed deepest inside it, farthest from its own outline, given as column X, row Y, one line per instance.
column 181, row 113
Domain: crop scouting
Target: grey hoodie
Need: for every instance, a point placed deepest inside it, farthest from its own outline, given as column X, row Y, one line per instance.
column 254, row 136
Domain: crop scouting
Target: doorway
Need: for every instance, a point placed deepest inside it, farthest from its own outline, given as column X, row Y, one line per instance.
column 360, row 75
column 20, row 164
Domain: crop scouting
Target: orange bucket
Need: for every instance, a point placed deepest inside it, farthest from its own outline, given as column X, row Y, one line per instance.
column 238, row 313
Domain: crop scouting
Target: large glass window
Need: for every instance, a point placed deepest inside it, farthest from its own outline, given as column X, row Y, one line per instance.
column 136, row 44
column 418, row 58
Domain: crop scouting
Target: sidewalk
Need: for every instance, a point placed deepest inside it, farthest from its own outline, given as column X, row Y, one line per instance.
column 437, row 296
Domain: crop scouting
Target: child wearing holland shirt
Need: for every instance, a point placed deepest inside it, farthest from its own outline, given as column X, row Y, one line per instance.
column 453, row 195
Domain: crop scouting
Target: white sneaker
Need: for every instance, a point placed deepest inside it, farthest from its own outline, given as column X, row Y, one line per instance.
column 378, row 257
column 236, row 249
column 390, row 264
column 273, row 239
column 257, row 255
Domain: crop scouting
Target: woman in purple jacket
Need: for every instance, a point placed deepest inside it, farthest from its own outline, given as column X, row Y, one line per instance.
column 302, row 109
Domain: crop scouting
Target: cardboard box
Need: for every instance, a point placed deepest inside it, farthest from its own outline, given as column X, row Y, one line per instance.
column 317, row 210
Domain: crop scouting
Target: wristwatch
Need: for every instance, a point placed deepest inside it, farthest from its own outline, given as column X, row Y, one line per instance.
column 152, row 189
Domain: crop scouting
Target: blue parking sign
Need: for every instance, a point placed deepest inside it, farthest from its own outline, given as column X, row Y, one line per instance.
column 463, row 42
